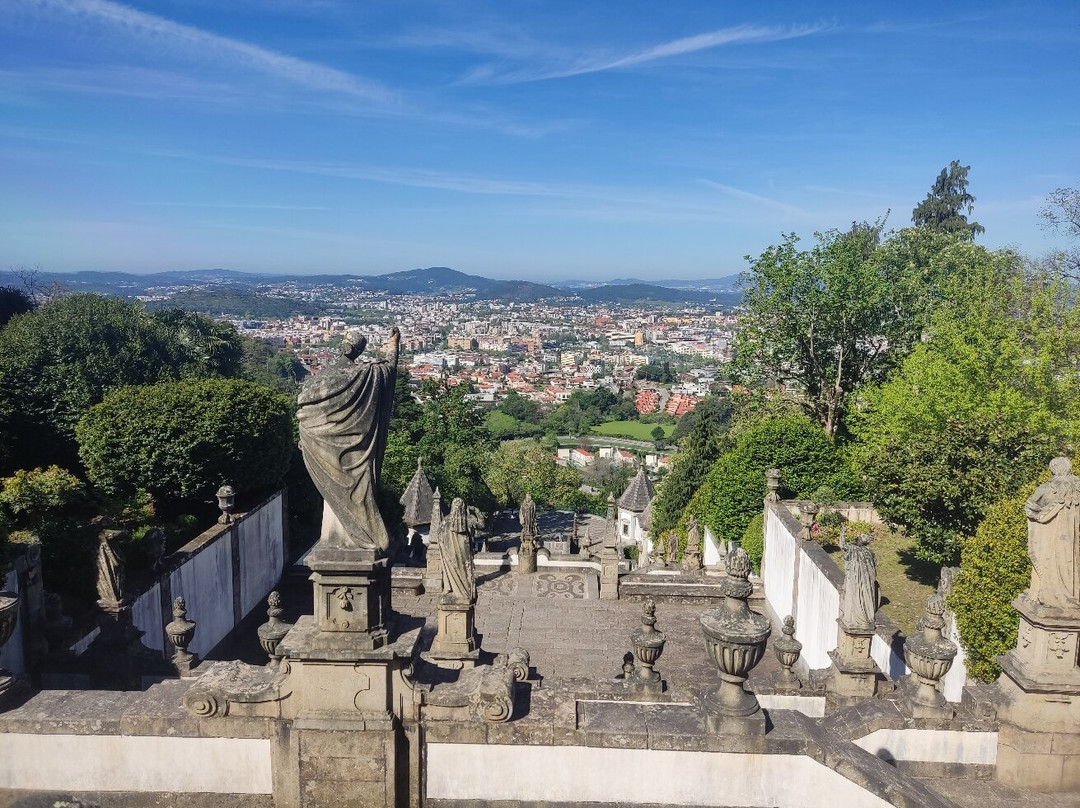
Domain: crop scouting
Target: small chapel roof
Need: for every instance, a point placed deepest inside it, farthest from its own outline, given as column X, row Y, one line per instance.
column 417, row 498
column 638, row 494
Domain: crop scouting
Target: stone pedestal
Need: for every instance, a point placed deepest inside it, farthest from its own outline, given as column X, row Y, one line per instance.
column 433, row 571
column 853, row 675
column 526, row 560
column 1039, row 708
column 609, row 573
column 456, row 638
column 352, row 594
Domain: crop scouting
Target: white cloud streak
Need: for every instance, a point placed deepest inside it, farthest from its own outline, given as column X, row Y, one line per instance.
column 737, row 35
column 747, row 196
column 159, row 33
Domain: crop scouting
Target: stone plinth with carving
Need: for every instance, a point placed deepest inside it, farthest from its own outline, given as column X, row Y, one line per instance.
column 1039, row 706
column 929, row 655
column 735, row 638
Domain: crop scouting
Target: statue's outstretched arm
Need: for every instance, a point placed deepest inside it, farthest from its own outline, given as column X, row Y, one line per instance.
column 395, row 343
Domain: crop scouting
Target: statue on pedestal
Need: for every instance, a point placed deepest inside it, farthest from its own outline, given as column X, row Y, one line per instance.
column 110, row 568
column 459, row 572
column 344, row 416
column 1053, row 513
column 527, row 516
column 860, row 601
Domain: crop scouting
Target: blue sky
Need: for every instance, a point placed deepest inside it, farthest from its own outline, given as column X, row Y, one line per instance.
column 540, row 140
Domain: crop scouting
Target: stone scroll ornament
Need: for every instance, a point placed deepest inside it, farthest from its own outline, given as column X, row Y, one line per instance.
column 860, row 583
column 459, row 572
column 344, row 416
column 1053, row 514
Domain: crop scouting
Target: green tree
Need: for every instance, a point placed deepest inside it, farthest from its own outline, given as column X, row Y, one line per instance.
column 947, row 202
column 13, row 301
column 185, row 439
column 825, row 320
column 713, row 408
column 994, row 569
column 63, row 358
column 977, row 409
column 520, row 408
column 734, row 488
column 521, row 467
column 1061, row 214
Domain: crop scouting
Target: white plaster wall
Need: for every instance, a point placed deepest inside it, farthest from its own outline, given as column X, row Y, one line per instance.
column 712, row 549
column 778, row 566
column 953, row 682
column 262, row 553
column 205, row 583
column 813, row 706
column 891, row 664
column 11, row 655
column 576, row 775
column 135, row 763
column 146, row 614
column 818, row 609
column 932, row 745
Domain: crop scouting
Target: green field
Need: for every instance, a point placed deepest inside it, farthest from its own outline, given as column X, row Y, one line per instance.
column 631, row 429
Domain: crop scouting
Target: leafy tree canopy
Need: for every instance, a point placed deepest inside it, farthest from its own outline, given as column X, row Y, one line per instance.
column 827, row 319
column 63, row 358
column 186, row 438
column 1062, row 215
column 13, row 301
column 978, row 408
column 521, row 467
column 947, row 202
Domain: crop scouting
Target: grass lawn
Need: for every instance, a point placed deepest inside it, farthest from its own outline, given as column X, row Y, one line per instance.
column 904, row 581
column 635, row 430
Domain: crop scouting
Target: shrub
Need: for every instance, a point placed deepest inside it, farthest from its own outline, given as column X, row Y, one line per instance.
column 734, row 488
column 753, row 540
column 994, row 569
column 184, row 439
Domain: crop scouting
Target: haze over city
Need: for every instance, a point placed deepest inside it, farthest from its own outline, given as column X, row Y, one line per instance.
column 547, row 142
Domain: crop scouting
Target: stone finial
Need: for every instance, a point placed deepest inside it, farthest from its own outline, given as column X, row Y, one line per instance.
column 181, row 631
column 929, row 655
column 1053, row 514
column 735, row 638
column 772, row 482
column 648, row 643
column 226, row 498
column 273, row 631
column 787, row 650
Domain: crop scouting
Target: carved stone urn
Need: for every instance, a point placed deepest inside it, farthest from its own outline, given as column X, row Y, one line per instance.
column 648, row 645
column 9, row 615
column 787, row 650
column 735, row 638
column 180, row 632
column 273, row 631
column 930, row 655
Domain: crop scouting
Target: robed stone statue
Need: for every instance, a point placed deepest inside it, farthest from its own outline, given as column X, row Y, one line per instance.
column 859, row 606
column 459, row 572
column 1053, row 514
column 344, row 416
column 527, row 516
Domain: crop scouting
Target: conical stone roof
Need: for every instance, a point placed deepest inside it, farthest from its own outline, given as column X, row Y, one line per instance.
column 638, row 494
column 417, row 498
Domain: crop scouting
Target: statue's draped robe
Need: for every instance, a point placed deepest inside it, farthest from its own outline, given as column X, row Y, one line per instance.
column 860, row 586
column 1053, row 514
column 459, row 571
column 344, row 415
column 527, row 516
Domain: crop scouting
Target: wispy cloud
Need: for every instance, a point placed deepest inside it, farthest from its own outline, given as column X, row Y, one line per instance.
column 159, row 33
column 740, row 34
column 747, row 196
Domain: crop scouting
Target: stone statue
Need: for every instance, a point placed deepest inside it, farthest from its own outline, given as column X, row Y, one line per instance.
column 1053, row 513
column 459, row 573
column 527, row 516
column 692, row 556
column 344, row 415
column 860, row 584
column 110, row 569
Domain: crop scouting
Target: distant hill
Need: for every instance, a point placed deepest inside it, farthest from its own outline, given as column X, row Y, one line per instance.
column 240, row 303
column 232, row 292
column 727, row 283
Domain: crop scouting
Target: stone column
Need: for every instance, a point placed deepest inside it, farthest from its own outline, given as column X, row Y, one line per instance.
column 1039, row 690
column 433, row 572
column 609, row 556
